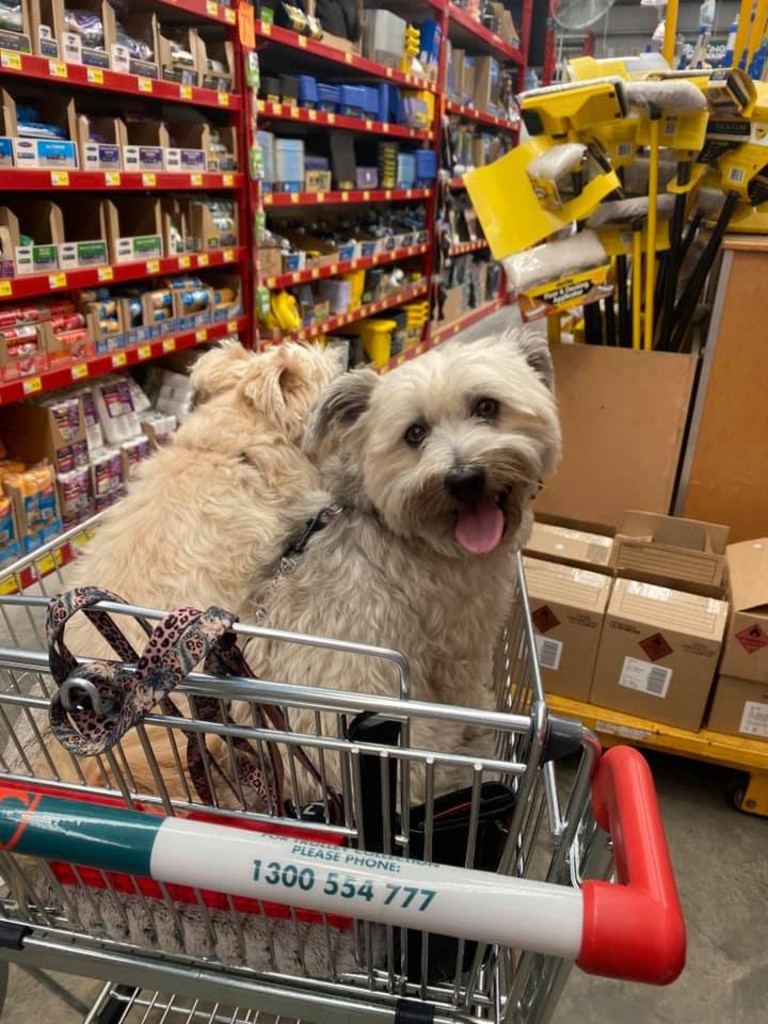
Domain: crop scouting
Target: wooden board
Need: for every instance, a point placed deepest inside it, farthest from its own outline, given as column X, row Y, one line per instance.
column 728, row 463
column 623, row 414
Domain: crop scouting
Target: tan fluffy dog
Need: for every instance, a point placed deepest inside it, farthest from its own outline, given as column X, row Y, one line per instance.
column 434, row 466
column 210, row 515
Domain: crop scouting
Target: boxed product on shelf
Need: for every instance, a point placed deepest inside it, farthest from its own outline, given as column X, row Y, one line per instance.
column 37, row 231
column 114, row 404
column 85, row 30
column 134, row 46
column 10, row 548
column 146, row 145
column 189, row 143
column 107, row 477
column 289, row 165
column 226, row 296
column 222, row 149
column 134, row 453
column 583, row 545
column 683, row 553
column 319, row 252
column 134, row 228
column 740, row 708
column 174, row 215
column 746, row 643
column 35, row 504
column 43, row 28
column 213, row 223
column 486, row 83
column 567, row 608
column 339, row 31
column 101, row 141
column 658, row 653
column 384, row 37
column 178, row 48
column 105, row 315
column 22, row 353
column 42, row 130
column 16, row 32
column 217, row 60
column 158, row 427
column 147, row 312
column 192, row 301
column 85, row 234
column 68, row 338
column 75, row 499
column 51, row 430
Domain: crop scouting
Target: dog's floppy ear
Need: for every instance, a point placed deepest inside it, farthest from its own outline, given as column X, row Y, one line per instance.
column 343, row 402
column 534, row 347
column 279, row 384
column 219, row 370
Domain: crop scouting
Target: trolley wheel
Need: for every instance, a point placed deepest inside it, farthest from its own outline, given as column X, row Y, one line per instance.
column 116, row 1006
column 736, row 790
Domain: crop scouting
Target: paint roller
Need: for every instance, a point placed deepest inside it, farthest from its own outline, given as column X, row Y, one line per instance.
column 655, row 99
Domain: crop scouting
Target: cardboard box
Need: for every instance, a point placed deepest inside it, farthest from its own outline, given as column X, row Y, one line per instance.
column 18, row 42
column 189, row 145
column 580, row 544
column 107, row 154
column 43, row 221
column 227, row 296
column 134, row 228
column 171, row 39
column 222, row 152
column 146, row 146
column 141, row 26
column 453, row 306
column 740, row 708
column 85, row 233
column 210, row 230
column 54, row 154
column 177, row 238
column 677, row 552
column 746, row 644
column 658, row 653
column 71, row 48
column 9, row 239
column 217, row 60
column 43, row 28
column 53, row 432
column 568, row 607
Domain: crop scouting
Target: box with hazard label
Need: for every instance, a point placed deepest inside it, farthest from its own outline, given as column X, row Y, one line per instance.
column 571, row 542
column 567, row 608
column 680, row 553
column 746, row 643
column 658, row 653
column 740, row 708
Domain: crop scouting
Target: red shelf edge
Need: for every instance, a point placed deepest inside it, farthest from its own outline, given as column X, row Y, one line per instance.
column 89, row 369
column 297, row 277
column 303, row 115
column 28, row 286
column 335, row 198
column 466, row 247
column 460, row 109
column 204, row 9
column 16, row 179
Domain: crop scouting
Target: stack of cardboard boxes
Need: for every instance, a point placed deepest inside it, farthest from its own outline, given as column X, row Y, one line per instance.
column 636, row 622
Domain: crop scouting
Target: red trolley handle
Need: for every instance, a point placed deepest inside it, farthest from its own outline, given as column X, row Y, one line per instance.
column 634, row 930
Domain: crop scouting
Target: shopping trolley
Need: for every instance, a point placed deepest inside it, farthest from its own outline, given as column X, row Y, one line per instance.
column 403, row 903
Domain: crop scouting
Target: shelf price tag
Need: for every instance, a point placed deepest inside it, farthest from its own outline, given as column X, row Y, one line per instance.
column 31, row 385
column 79, row 371
column 96, row 76
column 385, row 128
column 389, row 72
column 57, row 280
column 331, row 118
column 232, row 326
column 401, row 359
column 196, row 180
column 223, row 99
column 153, row 266
column 60, row 179
column 145, row 84
column 315, row 273
column 6, row 289
column 295, row 277
column 321, row 197
column 201, row 335
column 312, row 115
column 229, row 16
column 185, row 262
column 302, row 42
column 10, row 60
column 366, row 195
column 212, row 8
column 112, row 179
column 228, row 256
column 266, row 28
column 169, row 345
column 229, row 180
column 294, row 197
column 119, row 359
column 105, row 274
column 145, row 352
column 149, row 180
column 185, row 92
column 57, row 69
column 203, row 259
column 347, row 58
column 345, row 197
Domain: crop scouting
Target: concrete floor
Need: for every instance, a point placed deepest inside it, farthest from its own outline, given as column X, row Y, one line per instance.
column 721, row 860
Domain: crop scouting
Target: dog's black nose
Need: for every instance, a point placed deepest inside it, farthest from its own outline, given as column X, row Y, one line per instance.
column 465, row 482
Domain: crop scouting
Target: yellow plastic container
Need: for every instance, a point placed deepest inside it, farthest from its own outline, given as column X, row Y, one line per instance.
column 377, row 339
column 356, row 280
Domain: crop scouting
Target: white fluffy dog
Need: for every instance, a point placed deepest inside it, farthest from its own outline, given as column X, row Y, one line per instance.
column 433, row 467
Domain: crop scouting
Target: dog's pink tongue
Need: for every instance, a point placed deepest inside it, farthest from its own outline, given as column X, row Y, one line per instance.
column 480, row 526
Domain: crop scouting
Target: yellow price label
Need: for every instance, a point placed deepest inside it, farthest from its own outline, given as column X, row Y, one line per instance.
column 169, row 345
column 185, row 92
column 10, row 60
column 266, row 28
column 145, row 84
column 401, row 359
column 112, row 179
column 353, row 264
column 294, row 197
column 232, row 326
column 57, row 69
column 348, row 58
column 223, row 99
column 6, row 288
column 408, row 193
column 388, row 193
column 345, row 197
column 321, row 197
column 79, row 371
column 389, row 72
column 292, row 111
column 153, row 266
column 31, row 384
column 105, row 274
column 271, row 282
column 119, row 359
column 60, row 179
column 145, row 352
column 369, row 126
column 331, row 118
column 315, row 273
column 212, row 8
column 149, row 180
column 312, row 115
column 196, row 180
column 201, row 335
column 229, row 180
column 366, row 195
column 228, row 256
column 296, row 277
column 230, row 16
column 203, row 259
column 302, row 42
column 95, row 76
column 185, row 262
column 57, row 280
column 385, row 128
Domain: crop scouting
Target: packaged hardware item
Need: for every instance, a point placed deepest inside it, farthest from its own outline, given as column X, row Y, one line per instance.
column 134, row 453
column 33, row 493
column 10, row 549
column 107, row 479
column 117, row 415
column 75, row 495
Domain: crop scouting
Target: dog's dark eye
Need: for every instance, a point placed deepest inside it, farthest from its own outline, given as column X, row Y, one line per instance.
column 487, row 409
column 415, row 434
